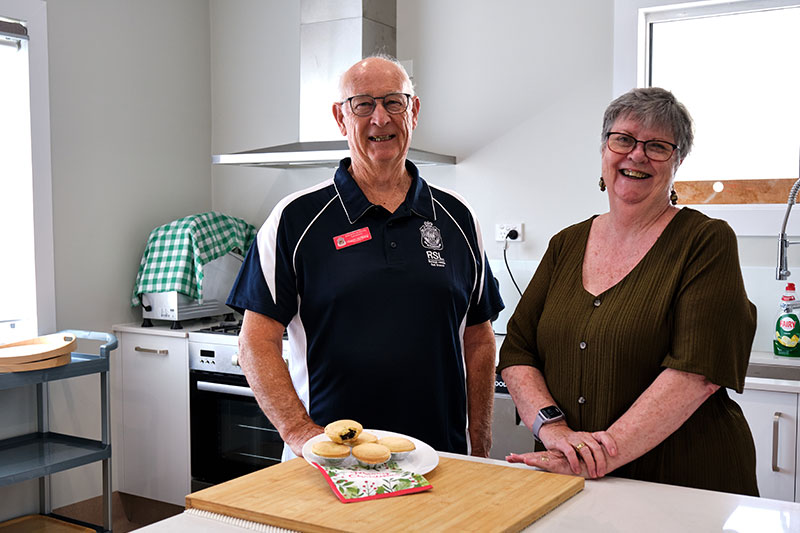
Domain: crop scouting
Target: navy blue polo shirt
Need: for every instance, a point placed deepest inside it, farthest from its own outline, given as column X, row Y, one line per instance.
column 375, row 303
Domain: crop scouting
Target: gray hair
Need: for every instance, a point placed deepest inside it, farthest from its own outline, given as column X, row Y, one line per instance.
column 653, row 107
column 385, row 57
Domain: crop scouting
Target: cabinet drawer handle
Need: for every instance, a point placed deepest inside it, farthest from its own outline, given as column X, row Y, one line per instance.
column 775, row 421
column 158, row 351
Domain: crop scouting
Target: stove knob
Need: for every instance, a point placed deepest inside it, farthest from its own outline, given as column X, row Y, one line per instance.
column 235, row 359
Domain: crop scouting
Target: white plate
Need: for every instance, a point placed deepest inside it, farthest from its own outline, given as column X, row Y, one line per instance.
column 421, row 461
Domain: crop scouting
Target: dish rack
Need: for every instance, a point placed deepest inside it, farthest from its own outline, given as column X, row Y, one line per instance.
column 42, row 453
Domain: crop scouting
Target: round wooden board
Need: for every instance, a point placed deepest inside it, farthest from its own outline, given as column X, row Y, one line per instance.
column 53, row 362
column 43, row 524
column 37, row 349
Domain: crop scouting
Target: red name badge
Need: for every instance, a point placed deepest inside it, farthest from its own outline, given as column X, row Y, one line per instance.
column 349, row 239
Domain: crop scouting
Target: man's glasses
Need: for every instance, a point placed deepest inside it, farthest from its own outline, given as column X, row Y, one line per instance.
column 362, row 105
column 622, row 143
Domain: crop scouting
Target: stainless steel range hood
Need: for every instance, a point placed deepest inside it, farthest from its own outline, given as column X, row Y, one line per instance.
column 314, row 154
column 333, row 36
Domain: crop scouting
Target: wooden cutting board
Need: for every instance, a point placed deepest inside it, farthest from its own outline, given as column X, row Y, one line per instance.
column 466, row 496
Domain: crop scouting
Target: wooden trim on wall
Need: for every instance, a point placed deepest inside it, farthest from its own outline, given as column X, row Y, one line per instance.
column 775, row 191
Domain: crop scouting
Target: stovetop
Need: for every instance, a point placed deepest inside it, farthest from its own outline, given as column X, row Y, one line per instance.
column 226, row 328
column 229, row 329
column 224, row 334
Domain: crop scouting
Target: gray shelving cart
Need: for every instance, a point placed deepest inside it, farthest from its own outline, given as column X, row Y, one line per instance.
column 39, row 454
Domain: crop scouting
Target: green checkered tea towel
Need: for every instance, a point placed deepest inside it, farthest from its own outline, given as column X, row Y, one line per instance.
column 175, row 254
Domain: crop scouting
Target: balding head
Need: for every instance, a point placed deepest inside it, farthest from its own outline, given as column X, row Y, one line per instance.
column 370, row 69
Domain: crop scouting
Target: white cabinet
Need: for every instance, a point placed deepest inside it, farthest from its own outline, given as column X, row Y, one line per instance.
column 155, row 413
column 772, row 416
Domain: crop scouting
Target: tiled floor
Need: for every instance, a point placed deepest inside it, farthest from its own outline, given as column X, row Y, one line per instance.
column 128, row 512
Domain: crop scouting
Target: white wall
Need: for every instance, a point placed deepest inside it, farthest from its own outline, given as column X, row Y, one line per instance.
column 516, row 93
column 130, row 108
column 131, row 128
column 255, row 71
column 523, row 120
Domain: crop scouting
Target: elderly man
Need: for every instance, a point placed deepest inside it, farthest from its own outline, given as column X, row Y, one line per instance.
column 383, row 285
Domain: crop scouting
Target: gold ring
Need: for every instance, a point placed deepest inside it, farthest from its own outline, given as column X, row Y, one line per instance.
column 544, row 459
column 579, row 446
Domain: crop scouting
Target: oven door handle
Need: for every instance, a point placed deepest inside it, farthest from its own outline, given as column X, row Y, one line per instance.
column 225, row 389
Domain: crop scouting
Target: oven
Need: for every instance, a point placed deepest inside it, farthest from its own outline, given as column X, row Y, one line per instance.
column 230, row 435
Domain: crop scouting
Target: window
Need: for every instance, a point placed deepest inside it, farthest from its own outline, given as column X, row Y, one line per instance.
column 735, row 66
column 17, row 281
column 631, row 54
column 27, row 290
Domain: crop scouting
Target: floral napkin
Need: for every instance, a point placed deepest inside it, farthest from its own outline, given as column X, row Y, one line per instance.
column 357, row 483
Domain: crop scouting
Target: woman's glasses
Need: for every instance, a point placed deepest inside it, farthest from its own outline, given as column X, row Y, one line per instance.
column 622, row 143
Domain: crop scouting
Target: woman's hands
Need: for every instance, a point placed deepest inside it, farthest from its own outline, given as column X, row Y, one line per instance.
column 551, row 461
column 573, row 451
column 567, row 450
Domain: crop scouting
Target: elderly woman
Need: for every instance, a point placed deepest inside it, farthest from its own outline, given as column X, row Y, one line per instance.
column 621, row 349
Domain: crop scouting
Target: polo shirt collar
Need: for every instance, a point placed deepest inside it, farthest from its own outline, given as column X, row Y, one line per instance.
column 355, row 203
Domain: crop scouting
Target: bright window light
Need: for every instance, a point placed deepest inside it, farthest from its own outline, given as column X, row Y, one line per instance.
column 751, row 518
column 738, row 75
column 17, row 271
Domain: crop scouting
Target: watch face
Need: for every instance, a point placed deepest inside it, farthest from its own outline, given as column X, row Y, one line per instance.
column 551, row 412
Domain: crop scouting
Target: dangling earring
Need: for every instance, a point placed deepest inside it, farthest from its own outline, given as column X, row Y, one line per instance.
column 673, row 196
column 602, row 184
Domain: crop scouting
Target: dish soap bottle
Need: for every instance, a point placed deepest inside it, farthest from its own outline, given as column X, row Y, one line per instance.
column 787, row 326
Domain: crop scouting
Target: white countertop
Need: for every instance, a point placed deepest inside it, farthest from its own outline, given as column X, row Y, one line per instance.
column 608, row 505
column 770, row 358
column 779, row 385
column 163, row 328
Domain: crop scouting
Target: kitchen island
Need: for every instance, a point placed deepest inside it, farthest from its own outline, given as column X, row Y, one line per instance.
column 609, row 504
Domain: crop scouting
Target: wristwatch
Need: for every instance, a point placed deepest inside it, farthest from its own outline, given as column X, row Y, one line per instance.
column 546, row 415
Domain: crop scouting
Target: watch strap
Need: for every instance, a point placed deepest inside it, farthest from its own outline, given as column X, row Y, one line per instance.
column 537, row 425
column 542, row 419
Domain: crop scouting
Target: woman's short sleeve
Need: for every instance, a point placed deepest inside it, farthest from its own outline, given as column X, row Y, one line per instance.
column 714, row 322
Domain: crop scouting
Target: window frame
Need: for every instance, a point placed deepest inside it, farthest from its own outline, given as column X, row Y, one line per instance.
column 631, row 52
column 33, row 13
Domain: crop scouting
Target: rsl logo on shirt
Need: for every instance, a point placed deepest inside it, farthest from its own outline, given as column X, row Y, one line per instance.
column 431, row 239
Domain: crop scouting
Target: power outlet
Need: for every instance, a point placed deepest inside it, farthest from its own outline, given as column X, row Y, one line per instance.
column 501, row 230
